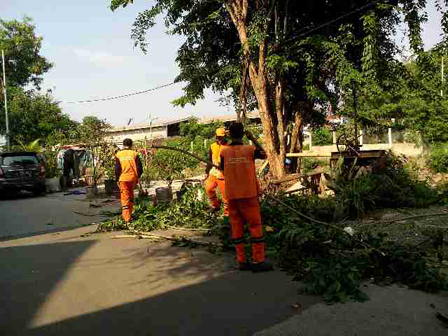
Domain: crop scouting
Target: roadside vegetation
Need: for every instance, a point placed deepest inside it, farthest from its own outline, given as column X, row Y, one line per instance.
column 385, row 228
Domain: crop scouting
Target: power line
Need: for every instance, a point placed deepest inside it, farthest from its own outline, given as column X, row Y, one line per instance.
column 287, row 41
column 118, row 97
column 329, row 22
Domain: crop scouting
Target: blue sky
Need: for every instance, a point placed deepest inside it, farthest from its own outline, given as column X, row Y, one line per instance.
column 94, row 57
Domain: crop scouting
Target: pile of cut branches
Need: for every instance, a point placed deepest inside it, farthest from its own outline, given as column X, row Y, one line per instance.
column 333, row 261
column 309, row 238
column 191, row 212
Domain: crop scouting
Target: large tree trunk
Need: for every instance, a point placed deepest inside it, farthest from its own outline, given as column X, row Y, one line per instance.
column 296, row 134
column 297, row 139
column 272, row 121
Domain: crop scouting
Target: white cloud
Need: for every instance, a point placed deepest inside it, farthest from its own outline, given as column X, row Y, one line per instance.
column 98, row 57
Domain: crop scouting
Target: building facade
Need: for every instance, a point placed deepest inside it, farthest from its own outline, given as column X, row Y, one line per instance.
column 162, row 130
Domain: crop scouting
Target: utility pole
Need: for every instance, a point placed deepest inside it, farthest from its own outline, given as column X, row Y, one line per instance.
column 150, row 124
column 6, row 102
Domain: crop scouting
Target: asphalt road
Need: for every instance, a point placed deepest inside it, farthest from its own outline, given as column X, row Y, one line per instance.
column 78, row 283
column 24, row 215
column 72, row 283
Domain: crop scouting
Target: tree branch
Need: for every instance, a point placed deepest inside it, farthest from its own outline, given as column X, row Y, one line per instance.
column 186, row 153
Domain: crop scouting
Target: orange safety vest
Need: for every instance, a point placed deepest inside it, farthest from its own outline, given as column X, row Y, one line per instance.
column 239, row 171
column 216, row 159
column 128, row 164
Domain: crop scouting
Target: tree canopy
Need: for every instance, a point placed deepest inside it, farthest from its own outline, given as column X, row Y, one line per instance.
column 35, row 115
column 296, row 57
column 24, row 63
column 92, row 130
column 415, row 99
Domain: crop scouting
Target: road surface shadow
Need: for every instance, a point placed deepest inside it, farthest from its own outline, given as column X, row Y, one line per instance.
column 54, row 231
column 229, row 303
column 27, row 277
column 17, row 195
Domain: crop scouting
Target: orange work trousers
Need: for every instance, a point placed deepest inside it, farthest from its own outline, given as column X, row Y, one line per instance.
column 127, row 198
column 210, row 188
column 247, row 210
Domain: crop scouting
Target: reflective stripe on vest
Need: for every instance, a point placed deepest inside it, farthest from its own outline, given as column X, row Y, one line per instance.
column 128, row 165
column 239, row 171
column 216, row 159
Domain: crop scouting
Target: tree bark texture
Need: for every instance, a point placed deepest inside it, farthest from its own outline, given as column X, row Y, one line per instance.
column 271, row 117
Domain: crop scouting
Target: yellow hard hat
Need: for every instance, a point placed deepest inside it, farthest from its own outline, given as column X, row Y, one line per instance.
column 221, row 132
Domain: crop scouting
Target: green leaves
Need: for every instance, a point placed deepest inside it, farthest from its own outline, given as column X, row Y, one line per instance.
column 281, row 64
column 120, row 3
column 34, row 115
column 438, row 159
column 92, row 130
column 190, row 212
column 33, row 146
column 24, row 64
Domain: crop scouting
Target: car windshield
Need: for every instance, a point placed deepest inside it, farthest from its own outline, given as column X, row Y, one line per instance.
column 15, row 160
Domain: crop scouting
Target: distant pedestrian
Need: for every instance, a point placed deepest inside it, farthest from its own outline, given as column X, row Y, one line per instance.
column 128, row 169
column 238, row 165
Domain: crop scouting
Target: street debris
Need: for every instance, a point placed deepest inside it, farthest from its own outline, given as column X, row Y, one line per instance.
column 349, row 230
column 75, row 192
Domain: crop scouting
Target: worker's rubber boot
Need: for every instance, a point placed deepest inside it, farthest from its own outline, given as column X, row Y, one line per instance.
column 263, row 266
column 245, row 266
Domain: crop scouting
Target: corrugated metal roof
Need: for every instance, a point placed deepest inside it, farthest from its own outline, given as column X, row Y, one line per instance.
column 224, row 118
column 148, row 125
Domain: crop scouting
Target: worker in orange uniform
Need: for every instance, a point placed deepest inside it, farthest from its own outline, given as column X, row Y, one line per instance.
column 215, row 178
column 128, row 169
column 238, row 165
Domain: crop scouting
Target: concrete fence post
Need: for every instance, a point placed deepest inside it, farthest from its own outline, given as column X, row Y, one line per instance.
column 334, row 137
column 361, row 138
column 389, row 133
column 311, row 140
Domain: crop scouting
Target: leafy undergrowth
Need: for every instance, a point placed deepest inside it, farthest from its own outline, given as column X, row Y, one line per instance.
column 307, row 234
column 192, row 211
column 333, row 263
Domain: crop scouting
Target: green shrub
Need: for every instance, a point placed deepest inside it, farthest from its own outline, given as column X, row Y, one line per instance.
column 397, row 185
column 438, row 159
column 51, row 165
column 322, row 137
